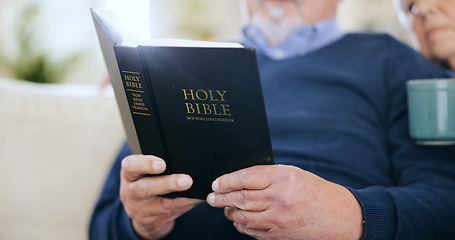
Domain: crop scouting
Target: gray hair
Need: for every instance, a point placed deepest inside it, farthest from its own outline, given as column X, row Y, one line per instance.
column 400, row 7
column 406, row 20
column 400, row 4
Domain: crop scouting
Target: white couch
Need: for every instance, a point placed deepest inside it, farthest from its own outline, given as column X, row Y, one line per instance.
column 57, row 143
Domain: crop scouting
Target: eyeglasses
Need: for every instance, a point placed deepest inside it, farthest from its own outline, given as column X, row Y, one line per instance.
column 410, row 7
column 413, row 9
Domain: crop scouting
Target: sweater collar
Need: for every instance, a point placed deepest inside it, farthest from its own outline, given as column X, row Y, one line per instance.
column 304, row 40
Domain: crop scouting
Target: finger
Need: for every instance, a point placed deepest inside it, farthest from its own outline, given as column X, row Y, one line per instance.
column 249, row 220
column 159, row 185
column 135, row 166
column 249, row 200
column 158, row 211
column 253, row 178
column 166, row 207
column 179, row 205
column 256, row 234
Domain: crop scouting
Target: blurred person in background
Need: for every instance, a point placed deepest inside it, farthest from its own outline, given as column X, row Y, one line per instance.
column 432, row 25
column 346, row 166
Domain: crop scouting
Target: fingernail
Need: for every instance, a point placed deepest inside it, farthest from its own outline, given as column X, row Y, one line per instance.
column 215, row 185
column 184, row 181
column 158, row 165
column 211, row 198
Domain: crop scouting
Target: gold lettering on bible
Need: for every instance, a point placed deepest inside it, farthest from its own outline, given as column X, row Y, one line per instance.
column 208, row 103
column 132, row 81
column 134, row 87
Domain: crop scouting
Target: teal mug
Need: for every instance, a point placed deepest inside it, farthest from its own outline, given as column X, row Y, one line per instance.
column 431, row 104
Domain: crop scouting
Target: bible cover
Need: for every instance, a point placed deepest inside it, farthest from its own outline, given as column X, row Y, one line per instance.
column 201, row 109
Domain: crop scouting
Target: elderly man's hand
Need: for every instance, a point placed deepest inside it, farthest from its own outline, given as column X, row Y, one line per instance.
column 285, row 202
column 153, row 217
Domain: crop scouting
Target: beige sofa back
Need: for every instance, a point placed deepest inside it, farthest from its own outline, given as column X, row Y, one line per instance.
column 57, row 143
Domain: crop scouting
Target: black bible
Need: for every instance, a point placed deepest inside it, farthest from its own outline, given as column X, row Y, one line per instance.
column 197, row 105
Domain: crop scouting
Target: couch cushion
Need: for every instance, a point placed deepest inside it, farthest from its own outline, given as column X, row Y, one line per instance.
column 57, row 143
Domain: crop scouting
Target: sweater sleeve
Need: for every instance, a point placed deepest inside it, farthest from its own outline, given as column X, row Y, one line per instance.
column 421, row 202
column 109, row 220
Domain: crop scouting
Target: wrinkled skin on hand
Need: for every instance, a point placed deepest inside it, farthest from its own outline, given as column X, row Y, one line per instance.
column 153, row 217
column 286, row 202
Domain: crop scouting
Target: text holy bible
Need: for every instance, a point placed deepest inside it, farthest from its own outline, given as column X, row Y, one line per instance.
column 197, row 105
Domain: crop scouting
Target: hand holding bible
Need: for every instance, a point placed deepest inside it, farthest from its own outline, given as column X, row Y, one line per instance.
column 286, row 202
column 152, row 216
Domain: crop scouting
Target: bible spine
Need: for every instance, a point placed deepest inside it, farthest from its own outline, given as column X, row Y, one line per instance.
column 139, row 95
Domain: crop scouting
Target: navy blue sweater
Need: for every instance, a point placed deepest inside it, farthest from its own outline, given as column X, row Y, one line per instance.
column 339, row 112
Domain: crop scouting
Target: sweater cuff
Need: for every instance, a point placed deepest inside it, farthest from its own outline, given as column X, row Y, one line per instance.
column 378, row 213
column 127, row 227
column 129, row 230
